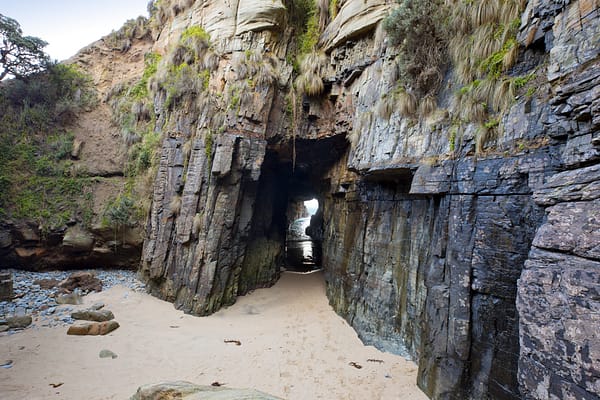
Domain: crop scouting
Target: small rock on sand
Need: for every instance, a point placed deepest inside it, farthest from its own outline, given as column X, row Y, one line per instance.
column 107, row 354
column 93, row 315
column 92, row 328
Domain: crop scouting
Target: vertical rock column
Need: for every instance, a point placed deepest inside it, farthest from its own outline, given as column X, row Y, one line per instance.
column 198, row 228
column 559, row 293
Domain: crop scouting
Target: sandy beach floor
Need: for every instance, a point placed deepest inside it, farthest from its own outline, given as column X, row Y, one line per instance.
column 292, row 345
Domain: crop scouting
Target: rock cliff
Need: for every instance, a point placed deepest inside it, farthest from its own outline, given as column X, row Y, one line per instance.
column 458, row 203
column 475, row 257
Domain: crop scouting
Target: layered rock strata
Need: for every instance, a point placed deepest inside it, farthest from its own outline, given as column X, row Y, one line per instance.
column 481, row 265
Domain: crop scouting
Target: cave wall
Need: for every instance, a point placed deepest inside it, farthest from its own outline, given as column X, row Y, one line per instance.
column 558, row 290
column 455, row 258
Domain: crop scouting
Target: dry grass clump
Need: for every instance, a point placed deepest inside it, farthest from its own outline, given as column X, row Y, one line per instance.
column 427, row 105
column 487, row 133
column 483, row 50
column 406, row 103
column 323, row 12
column 385, row 106
column 313, row 68
column 262, row 68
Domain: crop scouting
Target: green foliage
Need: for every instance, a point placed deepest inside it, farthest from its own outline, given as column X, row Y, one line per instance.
column 139, row 91
column 35, row 165
column 333, row 8
column 142, row 155
column 492, row 123
column 419, row 28
column 494, row 64
column 452, row 138
column 310, row 37
column 194, row 33
column 51, row 201
column 521, row 81
column 119, row 212
column 20, row 56
column 300, row 11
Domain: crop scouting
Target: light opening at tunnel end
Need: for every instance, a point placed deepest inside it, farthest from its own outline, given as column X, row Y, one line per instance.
column 303, row 244
column 312, row 206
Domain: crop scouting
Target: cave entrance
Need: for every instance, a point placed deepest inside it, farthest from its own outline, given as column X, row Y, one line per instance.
column 303, row 236
column 291, row 202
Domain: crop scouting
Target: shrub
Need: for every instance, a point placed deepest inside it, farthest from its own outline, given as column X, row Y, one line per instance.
column 118, row 212
column 419, row 28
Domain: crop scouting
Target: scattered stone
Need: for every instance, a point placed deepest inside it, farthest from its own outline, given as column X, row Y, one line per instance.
column 32, row 297
column 84, row 281
column 19, row 321
column 186, row 390
column 93, row 315
column 97, row 306
column 355, row 365
column 7, row 364
column 107, row 353
column 92, row 328
column 69, row 298
column 46, row 283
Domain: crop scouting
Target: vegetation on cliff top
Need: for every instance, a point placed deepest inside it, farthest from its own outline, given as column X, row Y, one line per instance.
column 38, row 181
column 476, row 38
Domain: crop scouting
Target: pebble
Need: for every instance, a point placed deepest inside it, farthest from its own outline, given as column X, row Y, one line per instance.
column 41, row 304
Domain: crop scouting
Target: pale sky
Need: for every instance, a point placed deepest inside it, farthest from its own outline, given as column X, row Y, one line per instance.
column 69, row 25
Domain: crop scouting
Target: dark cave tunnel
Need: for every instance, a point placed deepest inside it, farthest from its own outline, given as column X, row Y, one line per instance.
column 292, row 173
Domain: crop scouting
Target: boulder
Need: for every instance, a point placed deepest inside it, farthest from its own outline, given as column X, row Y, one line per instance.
column 85, row 281
column 190, row 391
column 78, row 240
column 30, row 252
column 93, row 315
column 19, row 321
column 46, row 283
column 77, row 146
column 92, row 328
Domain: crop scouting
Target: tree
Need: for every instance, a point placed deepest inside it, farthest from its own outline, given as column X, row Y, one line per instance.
column 20, row 55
